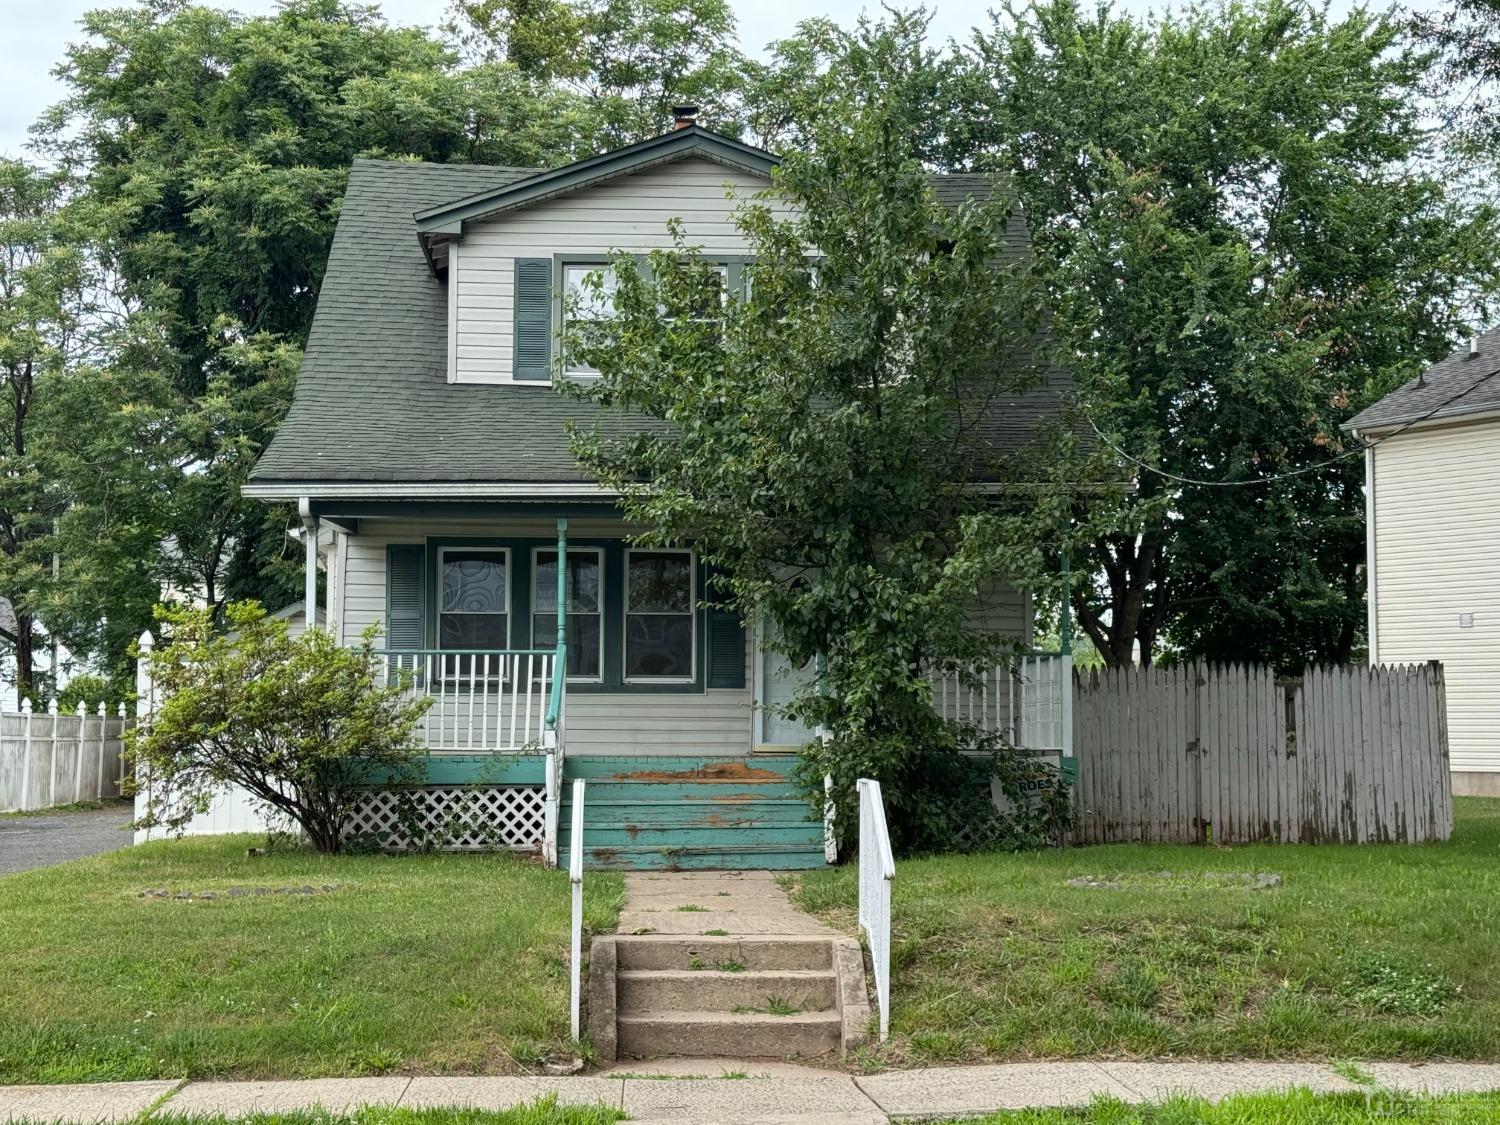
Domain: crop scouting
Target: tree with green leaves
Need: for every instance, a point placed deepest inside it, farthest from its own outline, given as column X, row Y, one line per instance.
column 617, row 66
column 1243, row 247
column 825, row 437
column 43, row 278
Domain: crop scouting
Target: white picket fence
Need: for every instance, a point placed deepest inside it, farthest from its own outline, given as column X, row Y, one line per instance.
column 877, row 870
column 54, row 757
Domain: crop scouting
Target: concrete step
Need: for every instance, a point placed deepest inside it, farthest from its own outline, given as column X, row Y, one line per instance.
column 648, row 1034
column 717, row 857
column 756, row 954
column 678, row 990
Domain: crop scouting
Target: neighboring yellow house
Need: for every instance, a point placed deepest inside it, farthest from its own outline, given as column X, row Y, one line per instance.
column 1432, row 499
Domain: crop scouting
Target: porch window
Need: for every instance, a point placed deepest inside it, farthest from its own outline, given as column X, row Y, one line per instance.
column 473, row 605
column 660, row 618
column 585, row 602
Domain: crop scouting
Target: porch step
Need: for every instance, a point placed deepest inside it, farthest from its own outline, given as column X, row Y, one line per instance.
column 645, row 857
column 687, row 833
column 753, row 1035
column 685, row 990
column 680, row 813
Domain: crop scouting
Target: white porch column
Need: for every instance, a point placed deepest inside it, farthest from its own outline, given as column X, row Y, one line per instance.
column 310, row 551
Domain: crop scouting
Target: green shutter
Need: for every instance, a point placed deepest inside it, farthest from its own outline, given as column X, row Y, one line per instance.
column 533, row 309
column 726, row 645
column 405, row 564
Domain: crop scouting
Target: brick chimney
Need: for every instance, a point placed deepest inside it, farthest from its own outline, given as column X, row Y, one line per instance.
column 684, row 116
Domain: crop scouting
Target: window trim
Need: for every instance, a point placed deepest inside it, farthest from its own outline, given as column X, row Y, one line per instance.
column 600, row 613
column 509, row 614
column 693, row 613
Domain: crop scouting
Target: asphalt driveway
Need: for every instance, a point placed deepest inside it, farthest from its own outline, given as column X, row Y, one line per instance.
column 40, row 841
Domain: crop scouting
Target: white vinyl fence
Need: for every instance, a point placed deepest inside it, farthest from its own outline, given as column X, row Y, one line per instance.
column 56, row 757
column 877, row 869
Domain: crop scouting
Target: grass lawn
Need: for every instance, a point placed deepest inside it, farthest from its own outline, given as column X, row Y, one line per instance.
column 1362, row 952
column 1297, row 1107
column 410, row 964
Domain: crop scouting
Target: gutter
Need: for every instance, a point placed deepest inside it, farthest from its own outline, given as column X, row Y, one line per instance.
column 435, row 490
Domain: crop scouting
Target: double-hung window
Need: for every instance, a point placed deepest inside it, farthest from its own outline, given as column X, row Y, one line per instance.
column 660, row 616
column 585, row 604
column 584, row 306
column 473, row 598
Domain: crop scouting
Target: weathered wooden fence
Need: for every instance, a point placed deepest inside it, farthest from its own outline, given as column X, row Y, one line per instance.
column 55, row 757
column 1349, row 755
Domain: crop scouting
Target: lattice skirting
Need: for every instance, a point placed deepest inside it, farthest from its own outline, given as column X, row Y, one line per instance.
column 453, row 818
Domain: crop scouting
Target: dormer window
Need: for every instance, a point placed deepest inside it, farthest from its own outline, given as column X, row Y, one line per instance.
column 584, row 303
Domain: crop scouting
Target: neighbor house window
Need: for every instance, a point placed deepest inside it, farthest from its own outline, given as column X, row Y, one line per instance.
column 473, row 598
column 583, row 305
column 659, row 615
column 585, row 598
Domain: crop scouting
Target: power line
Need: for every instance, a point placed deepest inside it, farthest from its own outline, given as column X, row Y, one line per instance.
column 1305, row 469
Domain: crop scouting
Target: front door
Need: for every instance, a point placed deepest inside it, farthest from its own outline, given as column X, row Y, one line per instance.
column 776, row 681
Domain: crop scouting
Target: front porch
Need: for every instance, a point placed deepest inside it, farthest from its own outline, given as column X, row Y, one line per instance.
column 534, row 682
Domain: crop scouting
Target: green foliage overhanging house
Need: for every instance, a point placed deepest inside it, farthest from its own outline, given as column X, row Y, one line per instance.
column 427, row 453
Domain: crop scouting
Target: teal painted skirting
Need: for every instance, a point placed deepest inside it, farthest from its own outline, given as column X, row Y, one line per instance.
column 481, row 769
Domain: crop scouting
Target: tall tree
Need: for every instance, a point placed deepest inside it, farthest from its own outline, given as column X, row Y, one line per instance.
column 621, row 65
column 1244, row 248
column 822, row 432
column 43, row 278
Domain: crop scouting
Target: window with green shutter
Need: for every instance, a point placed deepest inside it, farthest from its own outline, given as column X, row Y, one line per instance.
column 405, row 596
column 533, row 319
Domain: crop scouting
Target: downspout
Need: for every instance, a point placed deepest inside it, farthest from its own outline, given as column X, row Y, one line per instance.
column 310, row 550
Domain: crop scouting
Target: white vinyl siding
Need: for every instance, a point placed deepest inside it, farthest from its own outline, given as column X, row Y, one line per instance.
column 1436, row 556
column 628, row 214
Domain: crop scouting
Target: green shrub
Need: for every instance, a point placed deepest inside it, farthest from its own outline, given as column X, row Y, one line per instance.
column 301, row 724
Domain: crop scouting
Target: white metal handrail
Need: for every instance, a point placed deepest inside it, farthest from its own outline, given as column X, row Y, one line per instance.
column 483, row 701
column 877, row 870
column 575, row 878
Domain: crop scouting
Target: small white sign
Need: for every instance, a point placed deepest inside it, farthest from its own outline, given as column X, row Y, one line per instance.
column 1466, row 621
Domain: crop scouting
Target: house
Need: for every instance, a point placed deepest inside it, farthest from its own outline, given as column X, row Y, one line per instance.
column 1432, row 497
column 425, row 449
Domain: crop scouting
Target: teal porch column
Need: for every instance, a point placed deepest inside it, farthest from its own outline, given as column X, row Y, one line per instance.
column 562, row 588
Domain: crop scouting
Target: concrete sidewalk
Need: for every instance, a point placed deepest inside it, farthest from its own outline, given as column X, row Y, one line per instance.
column 697, row 1091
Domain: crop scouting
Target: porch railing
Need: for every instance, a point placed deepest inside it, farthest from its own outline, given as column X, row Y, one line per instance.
column 483, row 702
column 1022, row 701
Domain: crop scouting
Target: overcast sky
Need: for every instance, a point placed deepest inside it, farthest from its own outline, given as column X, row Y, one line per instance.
column 33, row 34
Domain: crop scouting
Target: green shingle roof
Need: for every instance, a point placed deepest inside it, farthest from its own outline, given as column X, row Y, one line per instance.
column 372, row 402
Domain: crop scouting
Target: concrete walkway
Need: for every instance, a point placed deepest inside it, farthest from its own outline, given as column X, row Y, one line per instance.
column 767, row 1095
column 690, row 903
